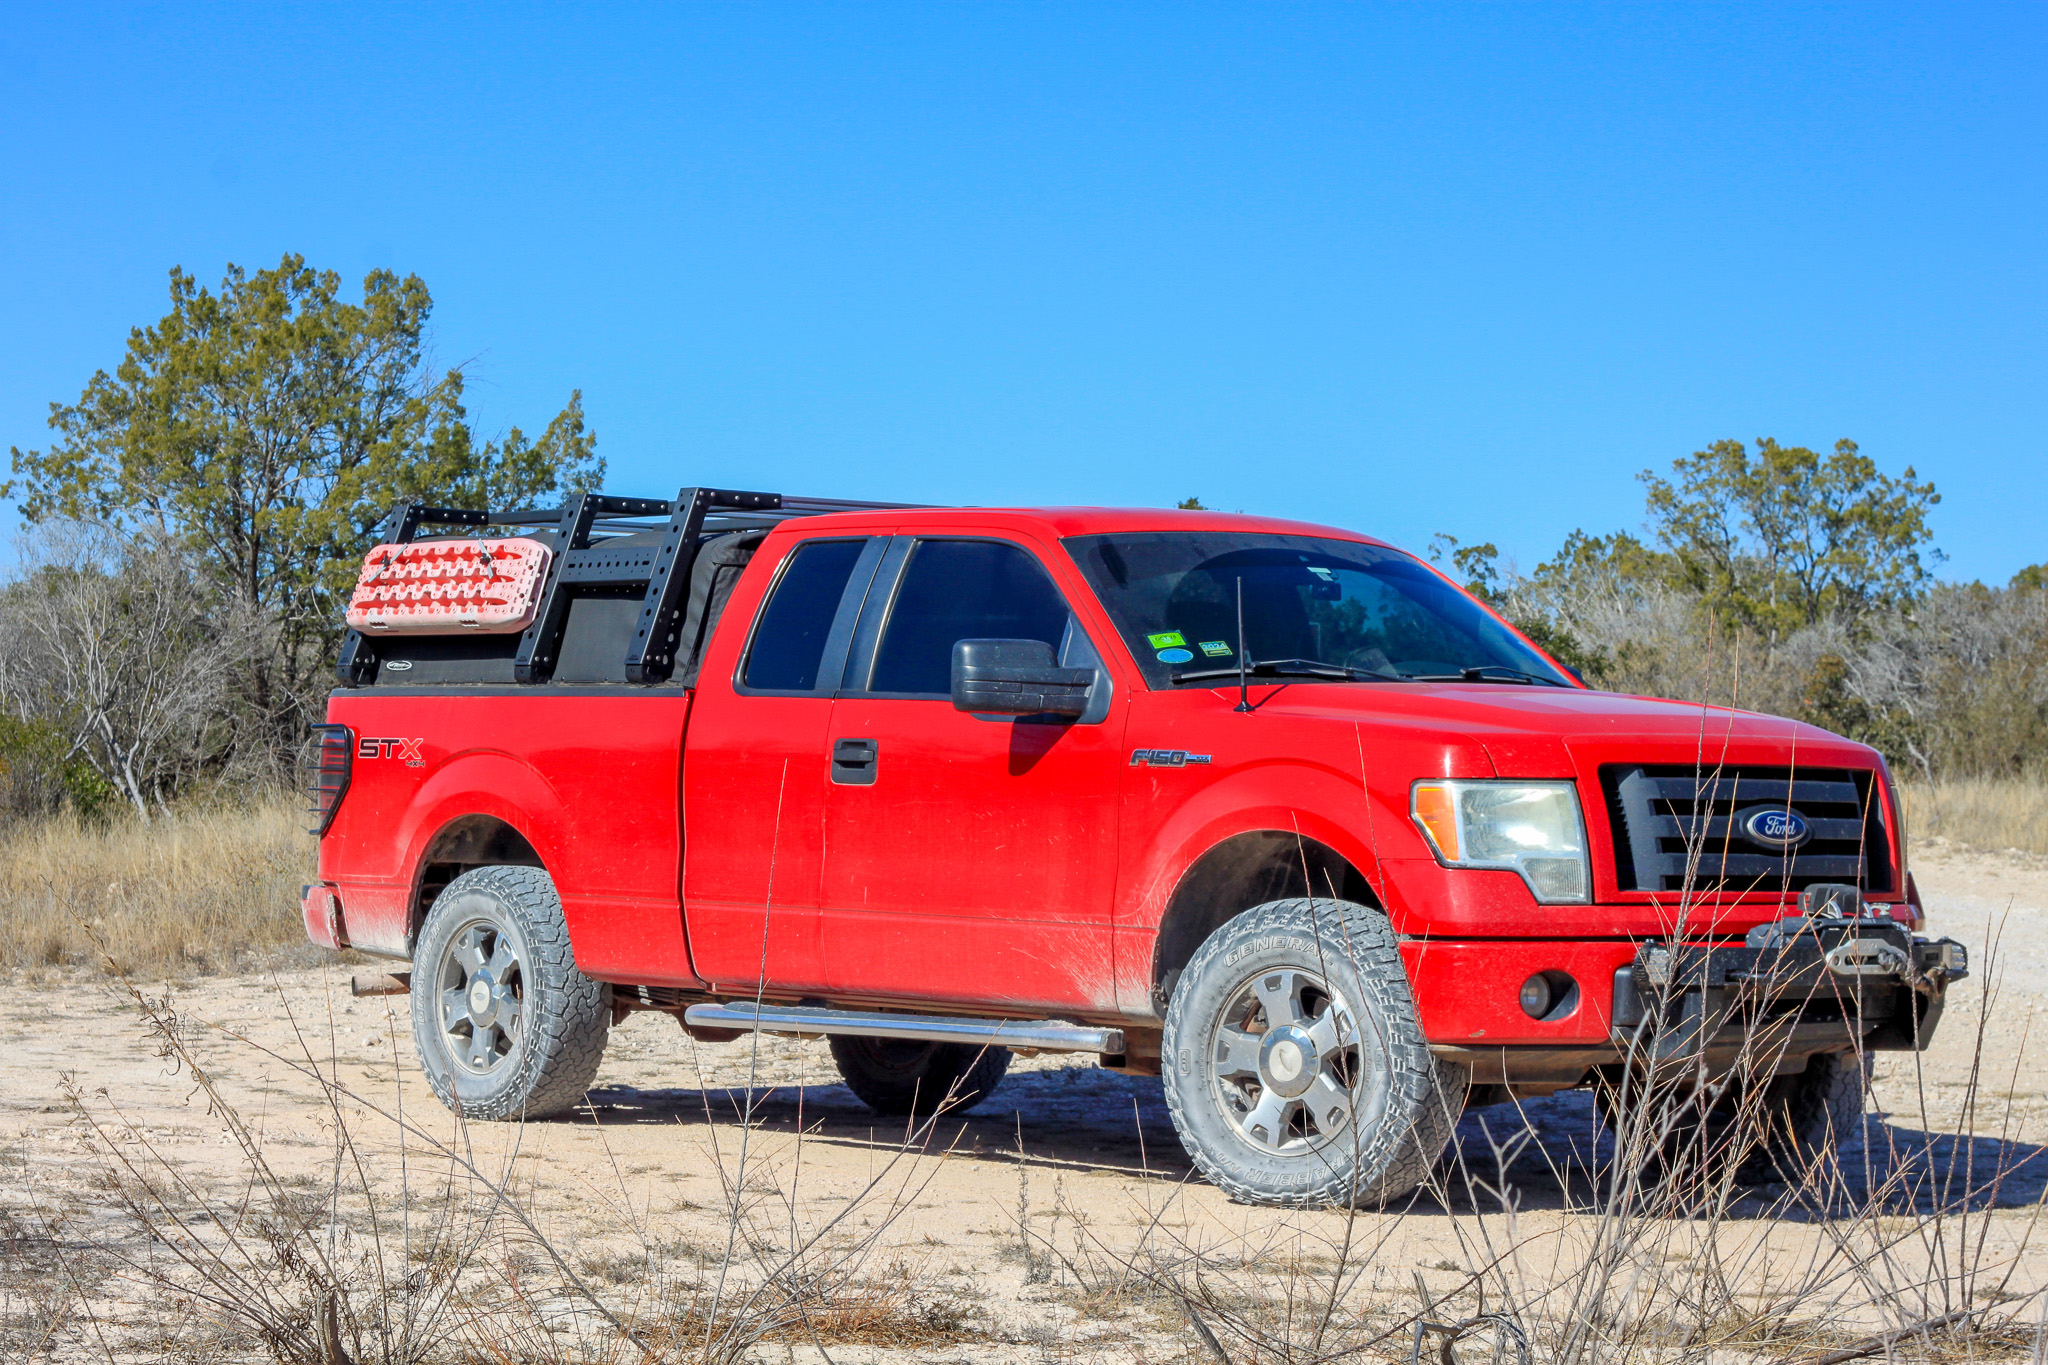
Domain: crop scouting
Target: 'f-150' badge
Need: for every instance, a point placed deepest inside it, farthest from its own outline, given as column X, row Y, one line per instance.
column 1165, row 758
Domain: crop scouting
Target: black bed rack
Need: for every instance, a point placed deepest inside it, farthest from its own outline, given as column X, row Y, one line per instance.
column 589, row 553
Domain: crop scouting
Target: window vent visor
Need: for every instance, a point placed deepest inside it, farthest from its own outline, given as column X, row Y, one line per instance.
column 325, row 765
column 450, row 587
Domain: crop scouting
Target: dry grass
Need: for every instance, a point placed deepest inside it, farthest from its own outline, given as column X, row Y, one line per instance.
column 412, row 1241
column 1993, row 813
column 195, row 891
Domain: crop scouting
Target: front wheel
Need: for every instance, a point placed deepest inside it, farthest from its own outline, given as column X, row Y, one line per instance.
column 1768, row 1129
column 1295, row 1065
column 505, row 1025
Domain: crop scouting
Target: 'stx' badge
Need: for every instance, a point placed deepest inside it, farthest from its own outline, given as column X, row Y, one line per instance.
column 1165, row 758
column 405, row 749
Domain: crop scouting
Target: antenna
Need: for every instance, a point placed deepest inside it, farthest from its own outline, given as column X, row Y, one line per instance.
column 1244, row 701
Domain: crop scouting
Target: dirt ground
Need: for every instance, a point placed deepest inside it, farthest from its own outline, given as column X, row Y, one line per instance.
column 1086, row 1159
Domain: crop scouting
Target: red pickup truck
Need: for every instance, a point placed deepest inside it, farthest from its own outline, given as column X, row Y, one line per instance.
column 1272, row 810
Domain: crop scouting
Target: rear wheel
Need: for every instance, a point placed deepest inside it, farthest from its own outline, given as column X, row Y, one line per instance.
column 1295, row 1065
column 903, row 1076
column 505, row 1026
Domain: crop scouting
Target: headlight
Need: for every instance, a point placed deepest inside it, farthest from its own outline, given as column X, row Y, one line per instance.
column 1531, row 828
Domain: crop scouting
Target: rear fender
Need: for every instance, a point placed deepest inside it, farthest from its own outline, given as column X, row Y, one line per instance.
column 382, row 918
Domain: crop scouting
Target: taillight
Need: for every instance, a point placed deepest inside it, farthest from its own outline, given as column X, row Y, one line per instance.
column 326, row 766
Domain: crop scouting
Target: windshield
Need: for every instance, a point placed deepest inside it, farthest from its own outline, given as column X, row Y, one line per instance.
column 1173, row 595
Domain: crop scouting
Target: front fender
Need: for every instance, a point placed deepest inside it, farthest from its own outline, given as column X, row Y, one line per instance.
column 1321, row 804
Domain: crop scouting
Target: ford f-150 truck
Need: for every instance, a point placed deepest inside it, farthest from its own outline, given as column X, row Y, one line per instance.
column 1271, row 810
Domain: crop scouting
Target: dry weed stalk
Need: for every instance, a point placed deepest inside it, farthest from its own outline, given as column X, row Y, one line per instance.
column 415, row 1246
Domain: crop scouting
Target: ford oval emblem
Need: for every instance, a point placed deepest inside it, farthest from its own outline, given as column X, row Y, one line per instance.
column 1777, row 827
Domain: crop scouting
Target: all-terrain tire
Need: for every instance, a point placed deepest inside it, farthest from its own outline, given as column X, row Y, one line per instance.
column 1815, row 1109
column 1324, row 979
column 495, row 939
column 1772, row 1133
column 904, row 1076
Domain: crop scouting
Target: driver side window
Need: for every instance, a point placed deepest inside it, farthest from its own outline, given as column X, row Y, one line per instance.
column 955, row 590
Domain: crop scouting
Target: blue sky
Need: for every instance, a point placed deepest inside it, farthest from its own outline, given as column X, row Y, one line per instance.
column 1408, row 269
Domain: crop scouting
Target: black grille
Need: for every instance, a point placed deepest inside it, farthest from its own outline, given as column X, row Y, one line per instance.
column 1664, row 817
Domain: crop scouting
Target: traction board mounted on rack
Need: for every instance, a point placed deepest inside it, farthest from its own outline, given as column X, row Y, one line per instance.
column 443, row 587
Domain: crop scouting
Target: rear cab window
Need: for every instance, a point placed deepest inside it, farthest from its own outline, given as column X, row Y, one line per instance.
column 806, row 619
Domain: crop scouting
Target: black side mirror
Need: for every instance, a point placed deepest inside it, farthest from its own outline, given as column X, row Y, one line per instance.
column 1017, row 678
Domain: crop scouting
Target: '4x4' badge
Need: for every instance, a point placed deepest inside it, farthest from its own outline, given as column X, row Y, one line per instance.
column 405, row 749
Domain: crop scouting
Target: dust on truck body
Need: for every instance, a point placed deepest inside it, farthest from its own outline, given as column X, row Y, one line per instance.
column 1270, row 809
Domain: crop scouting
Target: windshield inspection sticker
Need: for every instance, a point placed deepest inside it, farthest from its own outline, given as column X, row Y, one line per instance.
column 1175, row 656
column 1216, row 649
column 1166, row 639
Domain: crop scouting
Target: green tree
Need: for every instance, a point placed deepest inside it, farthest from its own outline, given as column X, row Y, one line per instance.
column 1191, row 505
column 1478, row 565
column 268, row 427
column 1618, row 558
column 1788, row 536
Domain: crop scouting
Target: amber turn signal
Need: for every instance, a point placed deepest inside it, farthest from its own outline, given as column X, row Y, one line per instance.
column 1435, row 810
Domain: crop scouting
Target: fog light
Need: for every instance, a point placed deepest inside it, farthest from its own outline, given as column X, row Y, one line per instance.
column 1551, row 996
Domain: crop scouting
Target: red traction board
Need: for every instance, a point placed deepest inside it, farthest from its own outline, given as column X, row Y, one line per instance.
column 447, row 587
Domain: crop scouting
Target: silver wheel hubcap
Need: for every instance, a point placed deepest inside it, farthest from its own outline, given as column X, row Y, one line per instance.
column 1286, row 1061
column 482, row 993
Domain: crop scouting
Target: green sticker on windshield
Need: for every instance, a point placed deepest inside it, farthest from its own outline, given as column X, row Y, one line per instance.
column 1166, row 639
column 1216, row 649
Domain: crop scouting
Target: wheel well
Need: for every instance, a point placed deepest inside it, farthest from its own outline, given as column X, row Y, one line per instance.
column 471, row 841
column 1241, row 872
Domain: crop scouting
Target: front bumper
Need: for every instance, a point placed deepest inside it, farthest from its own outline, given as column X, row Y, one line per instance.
column 1781, row 997
column 1794, row 988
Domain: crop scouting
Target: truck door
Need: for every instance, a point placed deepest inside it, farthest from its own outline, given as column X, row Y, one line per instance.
column 754, row 772
column 967, row 859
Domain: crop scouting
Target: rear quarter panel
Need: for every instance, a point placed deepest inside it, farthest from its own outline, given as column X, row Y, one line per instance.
column 592, row 781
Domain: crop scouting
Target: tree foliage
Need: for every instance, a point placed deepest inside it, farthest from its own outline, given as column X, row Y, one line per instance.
column 1786, row 537
column 114, row 661
column 1784, row 581
column 267, row 427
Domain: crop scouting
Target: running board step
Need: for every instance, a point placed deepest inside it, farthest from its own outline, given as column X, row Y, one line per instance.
column 1044, row 1035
